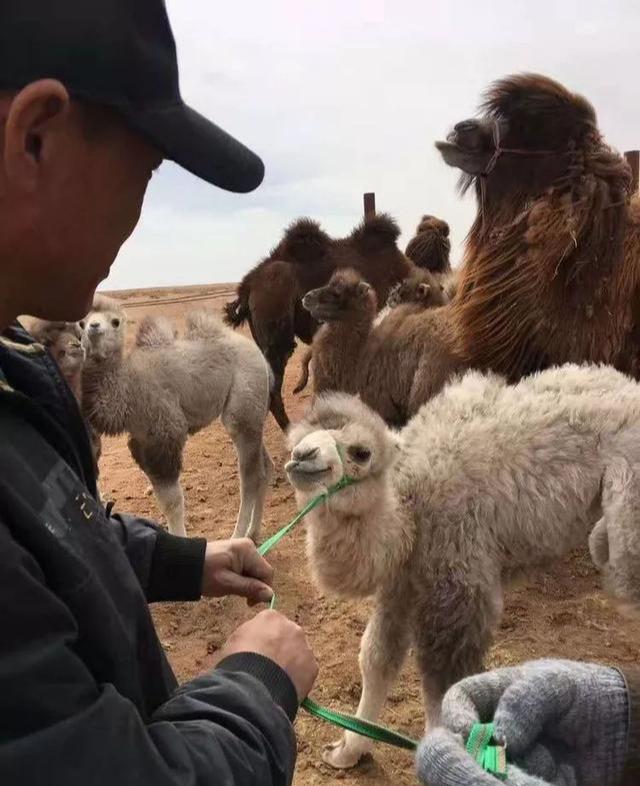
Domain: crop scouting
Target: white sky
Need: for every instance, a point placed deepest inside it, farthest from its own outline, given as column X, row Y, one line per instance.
column 346, row 96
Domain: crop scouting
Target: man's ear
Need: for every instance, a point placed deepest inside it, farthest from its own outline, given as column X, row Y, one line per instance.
column 31, row 116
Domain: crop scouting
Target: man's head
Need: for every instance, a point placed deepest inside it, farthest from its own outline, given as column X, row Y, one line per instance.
column 89, row 107
column 72, row 180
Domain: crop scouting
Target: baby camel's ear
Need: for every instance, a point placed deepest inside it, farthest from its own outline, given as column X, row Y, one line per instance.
column 363, row 288
column 423, row 291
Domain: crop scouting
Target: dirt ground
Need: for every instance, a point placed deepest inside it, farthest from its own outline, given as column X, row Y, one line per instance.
column 557, row 613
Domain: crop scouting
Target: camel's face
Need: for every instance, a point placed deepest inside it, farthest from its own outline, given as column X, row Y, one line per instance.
column 321, row 458
column 315, row 462
column 103, row 333
column 470, row 146
column 68, row 353
column 421, row 290
column 335, row 301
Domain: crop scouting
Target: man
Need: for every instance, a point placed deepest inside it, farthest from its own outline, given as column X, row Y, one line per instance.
column 89, row 106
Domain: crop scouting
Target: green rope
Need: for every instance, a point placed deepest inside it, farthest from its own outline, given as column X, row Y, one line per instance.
column 492, row 758
column 348, row 722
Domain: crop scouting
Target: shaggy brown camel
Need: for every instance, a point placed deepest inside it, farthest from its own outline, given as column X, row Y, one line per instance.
column 430, row 247
column 270, row 295
column 552, row 264
column 395, row 366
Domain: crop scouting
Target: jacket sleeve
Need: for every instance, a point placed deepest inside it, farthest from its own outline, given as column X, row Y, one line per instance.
column 631, row 774
column 231, row 727
column 168, row 567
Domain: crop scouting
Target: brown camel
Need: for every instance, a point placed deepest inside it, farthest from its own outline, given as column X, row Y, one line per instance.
column 270, row 295
column 412, row 295
column 394, row 366
column 552, row 264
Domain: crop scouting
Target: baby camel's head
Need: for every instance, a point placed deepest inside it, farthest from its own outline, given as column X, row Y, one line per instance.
column 62, row 339
column 339, row 436
column 419, row 289
column 345, row 297
column 104, row 329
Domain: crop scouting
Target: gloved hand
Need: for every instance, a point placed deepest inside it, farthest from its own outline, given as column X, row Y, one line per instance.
column 563, row 723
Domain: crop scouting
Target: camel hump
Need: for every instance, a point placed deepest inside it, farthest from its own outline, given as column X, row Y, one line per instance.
column 433, row 224
column 377, row 233
column 202, row 325
column 154, row 332
column 304, row 241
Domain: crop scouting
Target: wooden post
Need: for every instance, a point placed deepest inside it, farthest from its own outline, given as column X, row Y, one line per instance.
column 633, row 159
column 369, row 205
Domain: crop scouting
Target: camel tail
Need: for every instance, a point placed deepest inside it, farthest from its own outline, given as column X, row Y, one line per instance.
column 237, row 311
column 303, row 379
column 154, row 332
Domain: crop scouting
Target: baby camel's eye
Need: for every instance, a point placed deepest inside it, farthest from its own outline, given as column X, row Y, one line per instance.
column 359, row 453
column 115, row 322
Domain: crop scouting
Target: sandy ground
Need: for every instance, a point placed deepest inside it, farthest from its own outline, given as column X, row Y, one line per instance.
column 557, row 613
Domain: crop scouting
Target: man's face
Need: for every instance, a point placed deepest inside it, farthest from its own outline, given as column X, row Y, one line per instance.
column 88, row 208
column 89, row 180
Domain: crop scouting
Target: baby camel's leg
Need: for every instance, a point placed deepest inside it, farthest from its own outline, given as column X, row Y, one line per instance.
column 161, row 460
column 382, row 651
column 453, row 630
column 171, row 501
column 266, row 472
column 253, row 477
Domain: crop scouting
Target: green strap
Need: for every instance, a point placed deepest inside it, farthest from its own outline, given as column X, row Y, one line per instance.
column 360, row 726
column 348, row 722
column 492, row 758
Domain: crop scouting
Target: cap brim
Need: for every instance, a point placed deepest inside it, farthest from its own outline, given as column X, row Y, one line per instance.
column 200, row 146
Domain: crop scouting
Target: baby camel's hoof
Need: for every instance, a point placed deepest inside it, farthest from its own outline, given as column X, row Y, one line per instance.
column 340, row 756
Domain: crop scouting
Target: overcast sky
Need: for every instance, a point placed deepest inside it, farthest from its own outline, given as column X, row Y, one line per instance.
column 346, row 96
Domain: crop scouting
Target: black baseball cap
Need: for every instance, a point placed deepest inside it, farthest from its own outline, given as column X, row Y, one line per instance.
column 121, row 54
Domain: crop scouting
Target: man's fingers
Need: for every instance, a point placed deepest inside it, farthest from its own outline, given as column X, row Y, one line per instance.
column 252, row 563
column 443, row 761
column 246, row 587
column 474, row 699
column 527, row 706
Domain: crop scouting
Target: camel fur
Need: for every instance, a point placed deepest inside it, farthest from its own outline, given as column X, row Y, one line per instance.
column 551, row 271
column 270, row 296
column 64, row 342
column 394, row 366
column 165, row 390
column 429, row 249
column 421, row 290
column 486, row 481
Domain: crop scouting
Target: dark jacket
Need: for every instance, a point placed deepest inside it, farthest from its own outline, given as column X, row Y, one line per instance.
column 87, row 696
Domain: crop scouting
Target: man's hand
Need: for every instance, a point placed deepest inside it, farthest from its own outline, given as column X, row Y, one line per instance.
column 234, row 567
column 282, row 641
column 562, row 722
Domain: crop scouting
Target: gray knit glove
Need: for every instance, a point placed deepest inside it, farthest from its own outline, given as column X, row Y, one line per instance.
column 563, row 723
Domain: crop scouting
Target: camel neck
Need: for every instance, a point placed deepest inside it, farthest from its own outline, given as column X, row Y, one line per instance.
column 105, row 396
column 358, row 539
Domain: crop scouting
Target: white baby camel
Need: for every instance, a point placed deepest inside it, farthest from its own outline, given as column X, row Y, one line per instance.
column 485, row 481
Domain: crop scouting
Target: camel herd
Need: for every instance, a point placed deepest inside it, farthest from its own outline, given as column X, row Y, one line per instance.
column 489, row 416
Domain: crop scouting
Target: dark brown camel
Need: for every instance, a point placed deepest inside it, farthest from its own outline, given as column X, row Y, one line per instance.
column 430, row 247
column 552, row 264
column 270, row 295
